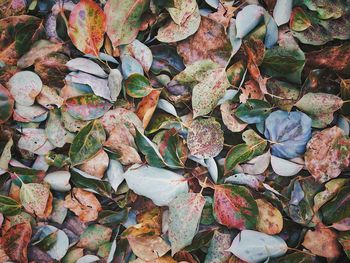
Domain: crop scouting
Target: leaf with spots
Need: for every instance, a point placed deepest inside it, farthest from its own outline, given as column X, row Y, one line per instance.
column 87, row 25
column 15, row 242
column 235, row 207
column 87, row 142
column 320, row 107
column 124, row 20
column 87, row 107
column 34, row 198
column 270, row 220
column 184, row 215
column 94, row 236
column 205, row 138
column 207, row 93
column 137, row 86
column 327, row 154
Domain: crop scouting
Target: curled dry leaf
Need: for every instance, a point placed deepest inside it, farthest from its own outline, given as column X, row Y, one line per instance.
column 327, row 154
column 205, row 138
column 84, row 204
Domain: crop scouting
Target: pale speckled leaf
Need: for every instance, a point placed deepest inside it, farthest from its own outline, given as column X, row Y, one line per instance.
column 34, row 197
column 217, row 251
column 182, row 10
column 140, row 52
column 115, row 79
column 209, row 91
column 124, row 19
column 55, row 131
column 173, row 32
column 184, row 215
column 205, row 138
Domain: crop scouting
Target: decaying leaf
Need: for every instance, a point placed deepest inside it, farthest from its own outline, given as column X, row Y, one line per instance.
column 327, row 154
column 84, row 204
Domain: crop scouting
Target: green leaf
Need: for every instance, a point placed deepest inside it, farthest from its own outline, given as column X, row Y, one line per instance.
column 149, row 149
column 253, row 140
column 137, row 86
column 87, row 107
column 94, row 236
column 6, row 104
column 124, row 19
column 186, row 207
column 235, row 207
column 101, row 187
column 87, row 143
column 173, row 150
column 112, row 218
column 9, row 206
column 238, row 154
column 47, row 242
column 253, row 111
column 299, row 21
column 338, row 208
column 284, row 62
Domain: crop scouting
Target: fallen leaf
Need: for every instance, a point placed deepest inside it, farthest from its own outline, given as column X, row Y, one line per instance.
column 84, row 204
column 322, row 242
column 270, row 219
column 87, row 25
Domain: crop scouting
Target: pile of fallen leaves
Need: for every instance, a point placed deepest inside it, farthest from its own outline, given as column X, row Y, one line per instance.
column 169, row 131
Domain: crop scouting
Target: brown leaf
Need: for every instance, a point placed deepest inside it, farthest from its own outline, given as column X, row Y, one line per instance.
column 250, row 90
column 122, row 142
column 147, row 106
column 322, row 242
column 16, row 240
column 148, row 247
column 84, row 204
column 209, row 42
column 97, row 165
column 336, row 58
column 328, row 152
column 223, row 15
